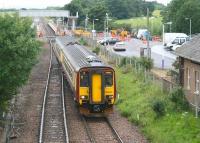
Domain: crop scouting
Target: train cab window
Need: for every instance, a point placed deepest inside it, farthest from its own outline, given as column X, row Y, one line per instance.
column 84, row 79
column 108, row 79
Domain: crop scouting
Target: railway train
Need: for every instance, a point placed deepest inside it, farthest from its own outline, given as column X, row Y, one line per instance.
column 92, row 81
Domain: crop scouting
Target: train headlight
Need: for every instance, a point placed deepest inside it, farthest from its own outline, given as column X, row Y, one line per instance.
column 84, row 97
column 109, row 96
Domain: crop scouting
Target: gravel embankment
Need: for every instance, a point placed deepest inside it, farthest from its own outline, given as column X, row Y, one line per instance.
column 28, row 103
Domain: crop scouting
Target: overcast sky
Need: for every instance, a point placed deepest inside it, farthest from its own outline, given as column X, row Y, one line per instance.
column 42, row 3
column 165, row 2
column 32, row 3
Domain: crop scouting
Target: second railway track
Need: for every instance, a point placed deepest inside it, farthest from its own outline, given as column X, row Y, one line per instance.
column 53, row 127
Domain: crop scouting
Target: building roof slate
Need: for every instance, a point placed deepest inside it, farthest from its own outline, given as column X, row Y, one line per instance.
column 190, row 50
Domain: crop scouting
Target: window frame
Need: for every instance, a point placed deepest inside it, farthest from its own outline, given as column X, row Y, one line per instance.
column 188, row 78
column 81, row 83
column 106, row 77
column 197, row 81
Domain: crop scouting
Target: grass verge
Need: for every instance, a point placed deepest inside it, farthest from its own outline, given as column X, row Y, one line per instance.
column 136, row 101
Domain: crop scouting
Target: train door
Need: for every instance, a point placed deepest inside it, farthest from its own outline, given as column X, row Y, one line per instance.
column 96, row 82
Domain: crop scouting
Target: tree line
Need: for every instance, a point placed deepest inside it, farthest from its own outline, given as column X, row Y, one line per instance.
column 117, row 9
column 18, row 51
column 179, row 12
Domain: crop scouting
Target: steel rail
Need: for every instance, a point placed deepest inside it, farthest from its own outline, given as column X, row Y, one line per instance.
column 45, row 96
column 64, row 113
column 44, row 100
column 89, row 133
column 45, row 92
column 114, row 131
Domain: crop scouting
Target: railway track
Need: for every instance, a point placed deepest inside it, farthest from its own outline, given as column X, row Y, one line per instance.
column 86, row 129
column 53, row 127
column 101, row 130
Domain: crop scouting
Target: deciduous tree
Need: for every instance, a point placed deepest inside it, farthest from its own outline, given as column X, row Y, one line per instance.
column 18, row 52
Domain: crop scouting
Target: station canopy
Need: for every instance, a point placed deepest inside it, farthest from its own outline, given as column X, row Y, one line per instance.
column 44, row 13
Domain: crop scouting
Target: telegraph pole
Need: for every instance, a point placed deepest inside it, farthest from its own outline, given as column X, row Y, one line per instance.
column 148, row 47
column 86, row 22
column 107, row 25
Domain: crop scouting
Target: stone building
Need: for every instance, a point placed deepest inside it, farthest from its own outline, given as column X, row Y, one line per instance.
column 189, row 60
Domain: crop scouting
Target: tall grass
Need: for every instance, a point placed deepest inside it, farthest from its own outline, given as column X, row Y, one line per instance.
column 136, row 99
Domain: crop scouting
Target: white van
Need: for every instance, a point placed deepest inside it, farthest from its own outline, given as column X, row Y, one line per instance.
column 177, row 42
column 170, row 37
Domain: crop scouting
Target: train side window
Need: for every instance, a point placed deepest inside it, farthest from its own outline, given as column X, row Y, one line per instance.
column 84, row 79
column 108, row 79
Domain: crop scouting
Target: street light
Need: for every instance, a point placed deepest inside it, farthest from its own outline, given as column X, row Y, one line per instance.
column 93, row 31
column 93, row 22
column 86, row 22
column 190, row 26
column 163, row 56
column 106, row 28
column 168, row 23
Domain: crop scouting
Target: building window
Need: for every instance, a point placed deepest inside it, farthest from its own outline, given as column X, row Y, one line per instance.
column 196, row 81
column 188, row 78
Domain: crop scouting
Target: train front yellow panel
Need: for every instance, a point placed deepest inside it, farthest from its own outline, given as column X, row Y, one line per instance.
column 84, row 91
column 96, row 88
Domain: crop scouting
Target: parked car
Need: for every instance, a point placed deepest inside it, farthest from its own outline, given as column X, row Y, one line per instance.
column 109, row 41
column 119, row 46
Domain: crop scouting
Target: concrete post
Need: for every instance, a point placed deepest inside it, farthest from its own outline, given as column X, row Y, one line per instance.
column 73, row 24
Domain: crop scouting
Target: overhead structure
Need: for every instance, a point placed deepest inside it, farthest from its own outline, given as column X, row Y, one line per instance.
column 44, row 13
column 50, row 13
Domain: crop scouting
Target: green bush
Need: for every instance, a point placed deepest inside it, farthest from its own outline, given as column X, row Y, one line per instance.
column 159, row 108
column 96, row 50
column 177, row 96
column 147, row 63
column 127, row 69
column 83, row 42
column 123, row 62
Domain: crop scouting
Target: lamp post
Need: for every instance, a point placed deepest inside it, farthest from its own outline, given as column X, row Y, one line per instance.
column 94, row 21
column 163, row 56
column 106, row 28
column 168, row 23
column 86, row 22
column 93, row 30
column 190, row 26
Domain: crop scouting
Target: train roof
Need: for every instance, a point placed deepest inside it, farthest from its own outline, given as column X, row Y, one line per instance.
column 78, row 55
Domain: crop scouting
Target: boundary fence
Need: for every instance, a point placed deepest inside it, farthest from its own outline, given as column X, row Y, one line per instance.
column 167, row 83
